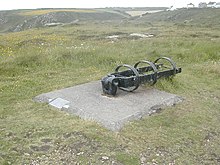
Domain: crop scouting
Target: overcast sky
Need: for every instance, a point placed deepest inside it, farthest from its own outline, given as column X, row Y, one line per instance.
column 33, row 4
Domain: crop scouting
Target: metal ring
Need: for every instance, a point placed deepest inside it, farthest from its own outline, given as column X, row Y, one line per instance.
column 153, row 67
column 170, row 61
column 136, row 78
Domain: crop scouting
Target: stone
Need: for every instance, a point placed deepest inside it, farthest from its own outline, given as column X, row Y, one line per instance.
column 59, row 103
column 104, row 158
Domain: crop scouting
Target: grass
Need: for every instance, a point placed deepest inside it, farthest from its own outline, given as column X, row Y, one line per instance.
column 24, row 19
column 42, row 60
column 41, row 12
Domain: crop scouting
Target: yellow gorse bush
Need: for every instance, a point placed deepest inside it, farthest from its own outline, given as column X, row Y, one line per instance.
column 6, row 51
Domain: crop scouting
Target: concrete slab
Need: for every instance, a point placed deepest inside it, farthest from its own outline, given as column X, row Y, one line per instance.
column 87, row 102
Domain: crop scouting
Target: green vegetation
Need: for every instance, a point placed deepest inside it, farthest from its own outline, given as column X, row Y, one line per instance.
column 19, row 20
column 41, row 60
column 41, row 12
column 208, row 17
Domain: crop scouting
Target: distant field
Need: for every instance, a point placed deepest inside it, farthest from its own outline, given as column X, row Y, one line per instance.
column 141, row 12
column 41, row 12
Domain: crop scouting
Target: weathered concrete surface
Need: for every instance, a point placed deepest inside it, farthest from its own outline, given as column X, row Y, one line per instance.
column 87, row 102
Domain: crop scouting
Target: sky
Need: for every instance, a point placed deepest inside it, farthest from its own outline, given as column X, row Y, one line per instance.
column 33, row 4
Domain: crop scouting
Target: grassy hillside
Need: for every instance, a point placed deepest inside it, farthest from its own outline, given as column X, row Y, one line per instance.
column 18, row 20
column 45, row 59
column 199, row 17
column 9, row 19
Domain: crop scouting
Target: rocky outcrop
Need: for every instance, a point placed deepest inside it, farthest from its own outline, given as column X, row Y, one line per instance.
column 3, row 18
column 36, row 22
column 18, row 22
